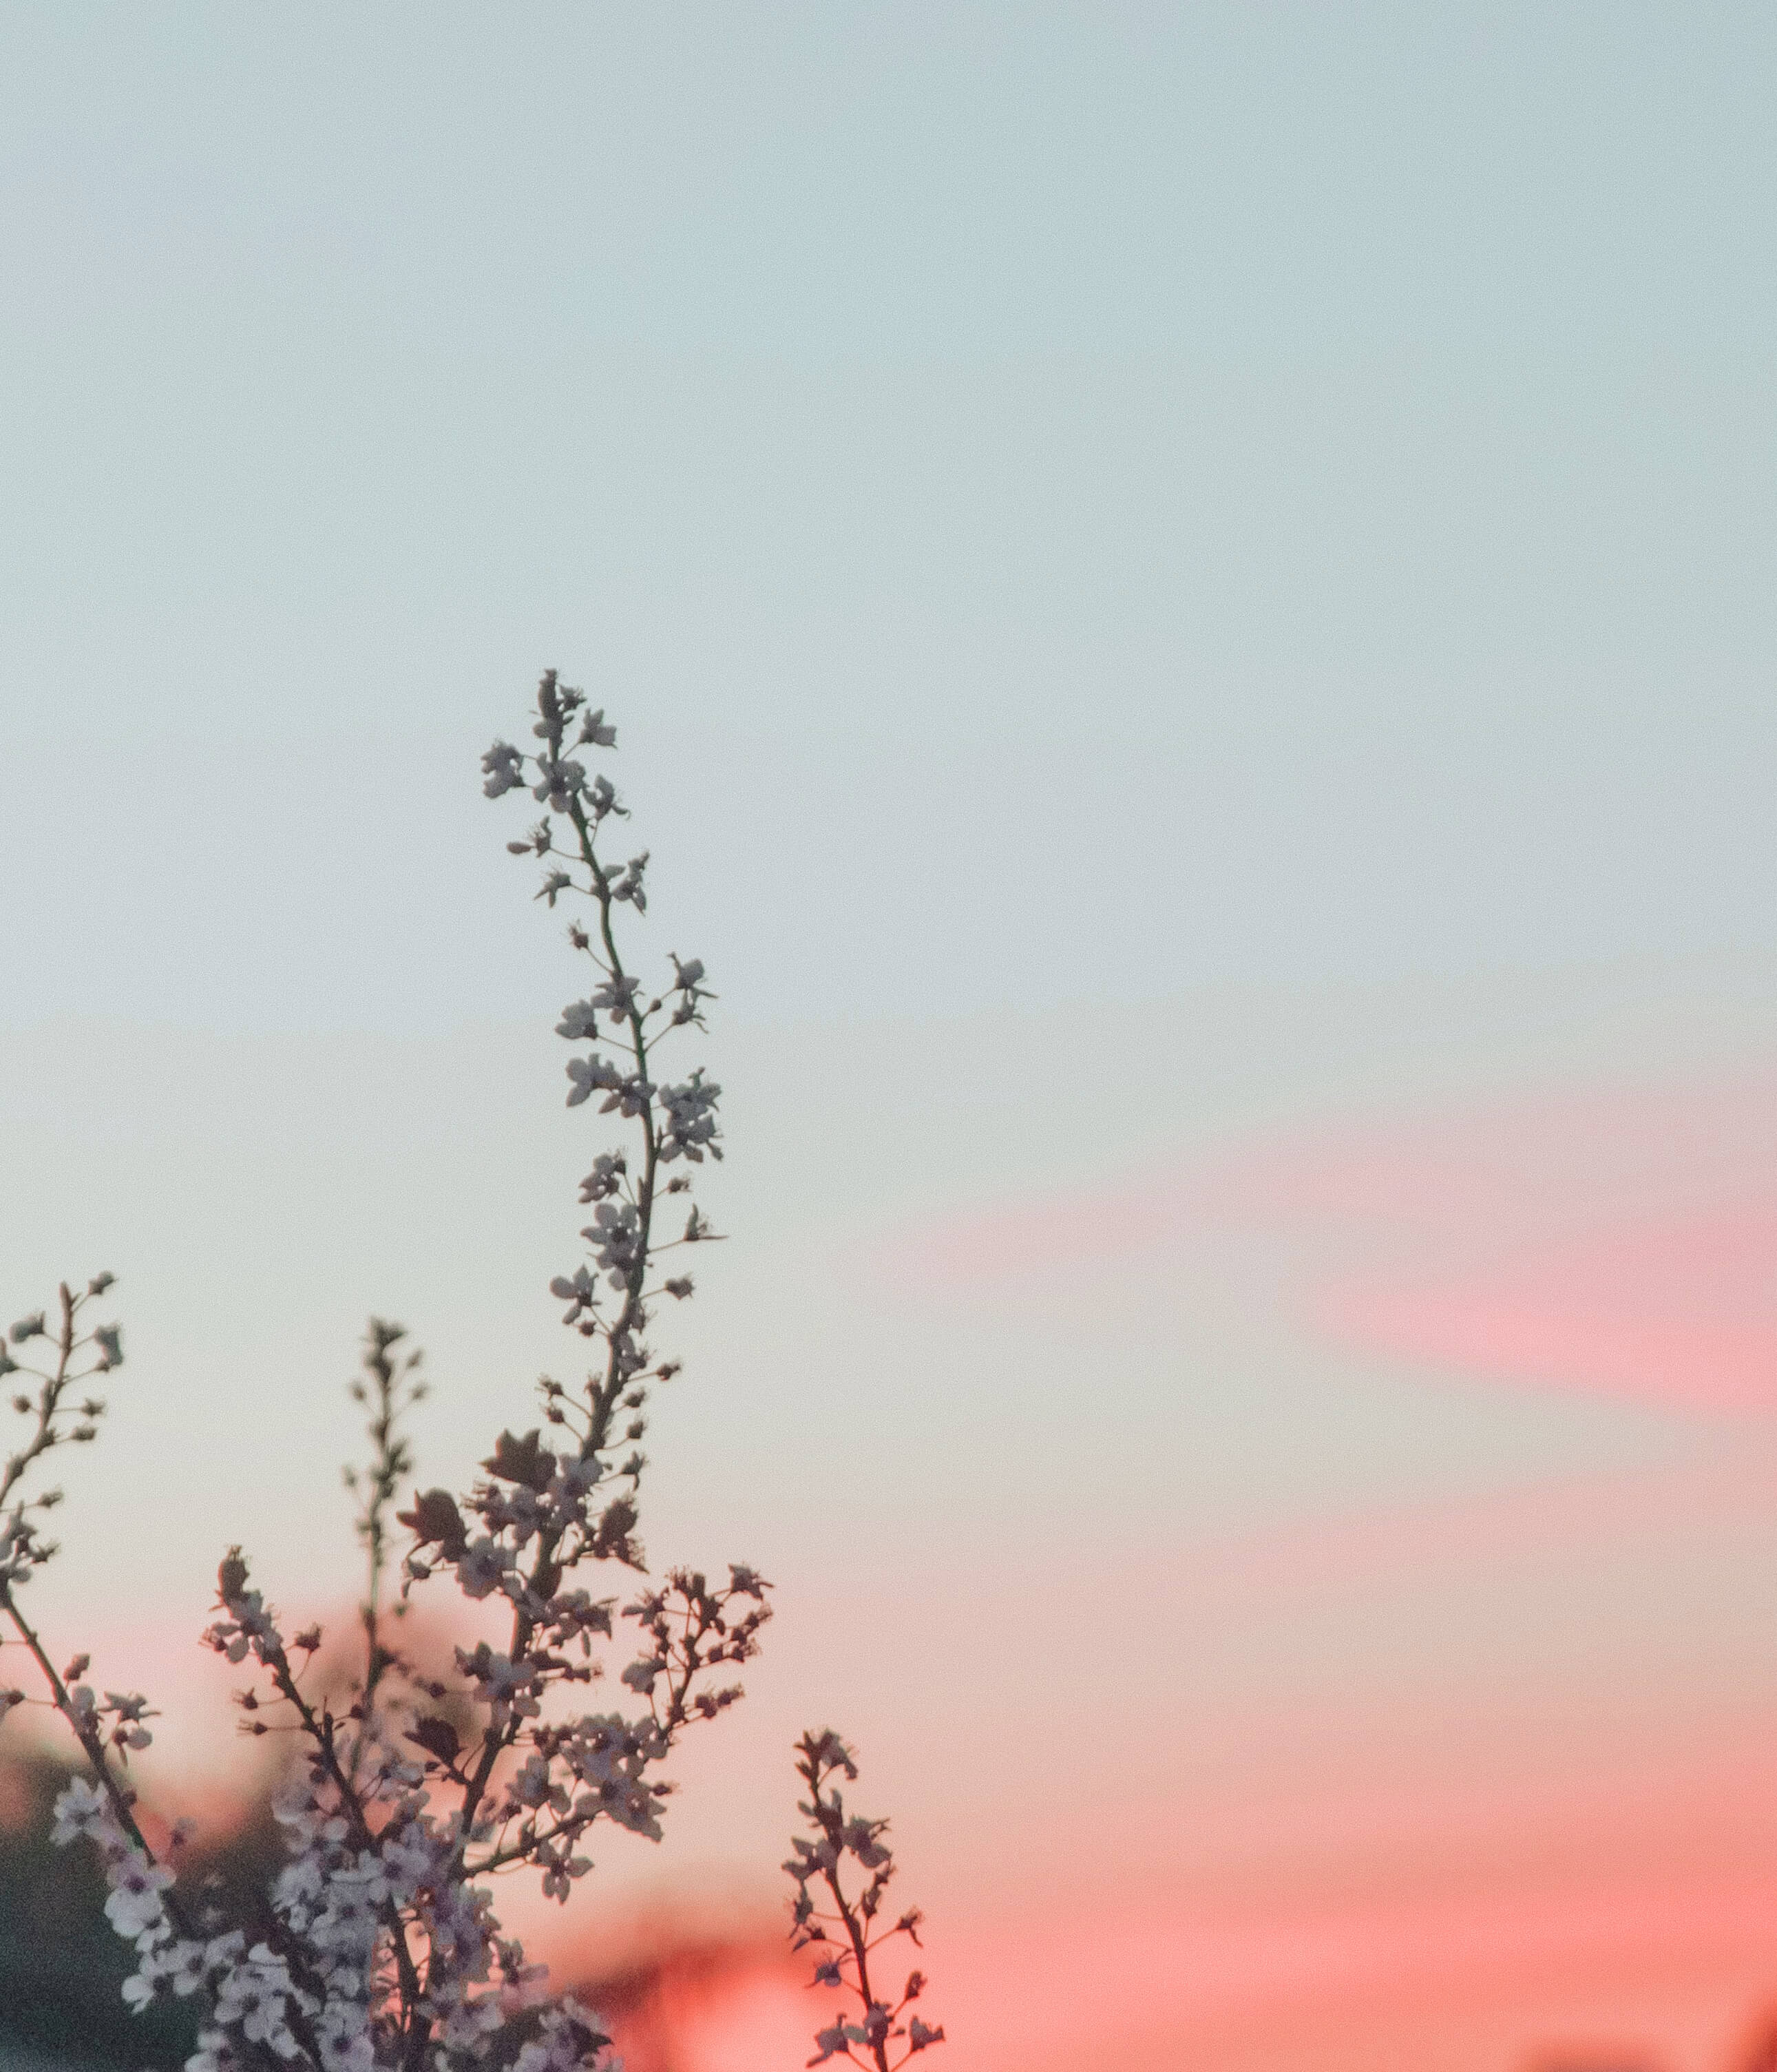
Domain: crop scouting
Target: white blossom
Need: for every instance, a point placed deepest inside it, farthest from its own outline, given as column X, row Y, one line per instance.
column 590, row 1076
column 615, row 1236
column 134, row 1906
column 690, row 1126
column 503, row 766
column 81, row 1808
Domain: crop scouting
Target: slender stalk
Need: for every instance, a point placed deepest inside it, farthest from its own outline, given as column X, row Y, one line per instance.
column 543, row 1574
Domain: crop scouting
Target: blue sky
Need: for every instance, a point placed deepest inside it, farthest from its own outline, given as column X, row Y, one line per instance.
column 1064, row 503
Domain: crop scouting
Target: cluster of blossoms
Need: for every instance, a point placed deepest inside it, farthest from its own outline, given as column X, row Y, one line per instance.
column 844, row 1928
column 376, row 1945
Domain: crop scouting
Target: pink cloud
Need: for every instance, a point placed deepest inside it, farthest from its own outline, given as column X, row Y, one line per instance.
column 1681, row 1312
column 1623, row 1240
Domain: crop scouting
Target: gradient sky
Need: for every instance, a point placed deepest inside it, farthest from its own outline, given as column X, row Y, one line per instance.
column 1188, row 597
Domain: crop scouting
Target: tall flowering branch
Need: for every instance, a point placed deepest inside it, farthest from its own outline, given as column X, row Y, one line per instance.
column 376, row 1947
column 842, row 1926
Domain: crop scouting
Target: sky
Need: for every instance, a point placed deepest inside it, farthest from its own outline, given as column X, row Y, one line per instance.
column 1187, row 598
